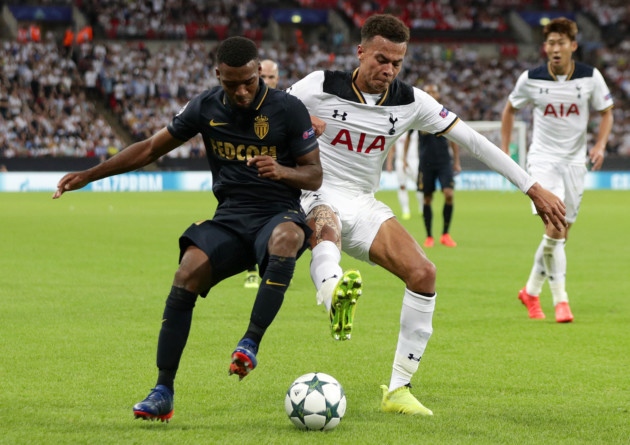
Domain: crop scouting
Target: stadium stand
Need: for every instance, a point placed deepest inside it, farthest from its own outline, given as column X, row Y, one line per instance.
column 93, row 97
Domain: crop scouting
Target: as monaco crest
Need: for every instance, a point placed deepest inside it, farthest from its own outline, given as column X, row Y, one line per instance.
column 261, row 126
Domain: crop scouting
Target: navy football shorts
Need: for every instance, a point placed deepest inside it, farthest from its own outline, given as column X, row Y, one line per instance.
column 428, row 176
column 236, row 237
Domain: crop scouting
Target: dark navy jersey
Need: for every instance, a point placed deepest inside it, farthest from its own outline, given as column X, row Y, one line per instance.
column 277, row 124
column 433, row 150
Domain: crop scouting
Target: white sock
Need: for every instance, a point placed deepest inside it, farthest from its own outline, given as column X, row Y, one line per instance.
column 555, row 260
column 403, row 198
column 420, row 198
column 416, row 326
column 325, row 263
column 538, row 274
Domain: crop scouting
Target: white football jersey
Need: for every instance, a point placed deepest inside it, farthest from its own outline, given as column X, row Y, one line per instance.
column 358, row 136
column 561, row 110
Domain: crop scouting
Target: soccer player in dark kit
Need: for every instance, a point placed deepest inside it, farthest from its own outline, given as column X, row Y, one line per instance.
column 436, row 164
column 262, row 151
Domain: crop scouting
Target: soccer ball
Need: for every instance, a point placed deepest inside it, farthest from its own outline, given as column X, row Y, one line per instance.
column 315, row 401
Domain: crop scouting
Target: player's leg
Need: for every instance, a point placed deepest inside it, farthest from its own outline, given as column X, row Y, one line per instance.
column 411, row 265
column 401, row 178
column 193, row 276
column 336, row 289
column 403, row 199
column 427, row 217
column 403, row 196
column 573, row 177
column 555, row 261
column 567, row 182
column 530, row 294
column 447, row 184
column 426, row 180
column 447, row 214
column 278, row 245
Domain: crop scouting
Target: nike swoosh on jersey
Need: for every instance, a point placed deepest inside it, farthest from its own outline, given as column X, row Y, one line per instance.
column 273, row 283
column 216, row 124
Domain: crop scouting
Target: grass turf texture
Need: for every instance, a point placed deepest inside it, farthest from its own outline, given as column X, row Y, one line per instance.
column 84, row 281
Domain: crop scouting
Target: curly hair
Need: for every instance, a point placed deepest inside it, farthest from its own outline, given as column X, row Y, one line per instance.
column 236, row 51
column 561, row 25
column 387, row 26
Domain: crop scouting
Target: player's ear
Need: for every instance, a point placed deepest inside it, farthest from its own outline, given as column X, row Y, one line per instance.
column 360, row 51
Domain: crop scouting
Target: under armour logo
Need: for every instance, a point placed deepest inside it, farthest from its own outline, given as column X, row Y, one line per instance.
column 544, row 90
column 413, row 357
column 393, row 122
column 343, row 116
column 579, row 91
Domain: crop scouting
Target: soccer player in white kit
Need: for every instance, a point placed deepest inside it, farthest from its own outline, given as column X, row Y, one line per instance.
column 361, row 114
column 405, row 165
column 561, row 91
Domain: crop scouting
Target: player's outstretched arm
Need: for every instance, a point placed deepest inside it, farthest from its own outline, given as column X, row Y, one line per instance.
column 550, row 208
column 131, row 158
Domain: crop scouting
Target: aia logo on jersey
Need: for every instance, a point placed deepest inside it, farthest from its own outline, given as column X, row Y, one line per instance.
column 561, row 110
column 344, row 138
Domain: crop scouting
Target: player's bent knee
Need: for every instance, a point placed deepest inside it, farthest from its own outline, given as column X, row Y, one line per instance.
column 423, row 276
column 194, row 272
column 286, row 239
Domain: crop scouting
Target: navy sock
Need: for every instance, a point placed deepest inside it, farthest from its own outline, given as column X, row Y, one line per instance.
column 427, row 215
column 270, row 295
column 176, row 323
column 447, row 213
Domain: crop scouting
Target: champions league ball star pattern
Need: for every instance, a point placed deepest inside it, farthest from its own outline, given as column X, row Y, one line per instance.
column 315, row 401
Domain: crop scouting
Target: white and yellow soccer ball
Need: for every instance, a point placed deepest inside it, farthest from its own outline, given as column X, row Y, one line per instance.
column 315, row 401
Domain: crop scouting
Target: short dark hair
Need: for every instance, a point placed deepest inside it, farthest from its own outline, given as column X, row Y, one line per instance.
column 236, row 51
column 561, row 25
column 387, row 26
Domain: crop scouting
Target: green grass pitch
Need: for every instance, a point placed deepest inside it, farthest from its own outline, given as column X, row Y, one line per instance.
column 82, row 287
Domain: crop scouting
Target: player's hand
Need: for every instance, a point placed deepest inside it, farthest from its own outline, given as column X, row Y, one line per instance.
column 267, row 167
column 550, row 208
column 596, row 157
column 318, row 125
column 71, row 181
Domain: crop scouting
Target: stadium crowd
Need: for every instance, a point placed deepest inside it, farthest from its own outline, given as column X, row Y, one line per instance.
column 175, row 19
column 48, row 100
column 44, row 110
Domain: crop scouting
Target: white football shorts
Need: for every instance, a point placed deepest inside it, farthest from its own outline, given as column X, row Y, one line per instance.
column 564, row 180
column 361, row 217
